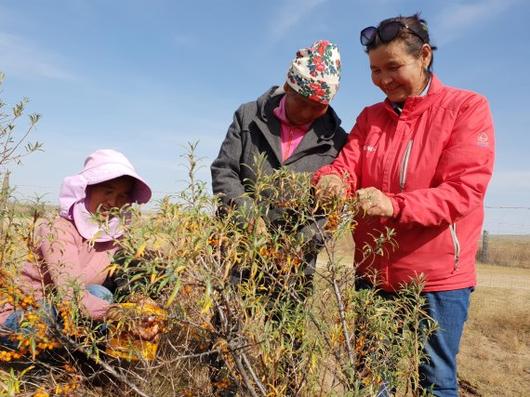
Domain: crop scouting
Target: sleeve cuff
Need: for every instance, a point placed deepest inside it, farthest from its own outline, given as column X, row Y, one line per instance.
column 95, row 307
column 395, row 207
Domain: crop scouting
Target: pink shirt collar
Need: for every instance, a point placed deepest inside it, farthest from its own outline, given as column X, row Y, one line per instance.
column 290, row 135
column 281, row 114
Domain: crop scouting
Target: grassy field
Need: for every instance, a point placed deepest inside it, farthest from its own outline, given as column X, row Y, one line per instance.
column 509, row 250
column 495, row 353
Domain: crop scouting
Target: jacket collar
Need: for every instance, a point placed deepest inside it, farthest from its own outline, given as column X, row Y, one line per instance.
column 267, row 123
column 321, row 132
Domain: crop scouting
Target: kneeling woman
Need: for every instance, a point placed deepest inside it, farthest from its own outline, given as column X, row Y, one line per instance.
column 75, row 250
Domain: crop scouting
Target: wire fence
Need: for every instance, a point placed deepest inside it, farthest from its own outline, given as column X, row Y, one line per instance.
column 505, row 240
column 501, row 220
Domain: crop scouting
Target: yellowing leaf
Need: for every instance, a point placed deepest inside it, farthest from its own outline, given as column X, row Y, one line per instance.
column 206, row 305
column 112, row 268
column 140, row 251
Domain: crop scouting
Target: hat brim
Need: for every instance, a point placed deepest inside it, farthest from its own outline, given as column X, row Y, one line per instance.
column 141, row 192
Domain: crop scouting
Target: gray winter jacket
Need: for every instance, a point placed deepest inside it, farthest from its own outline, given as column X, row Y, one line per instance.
column 255, row 130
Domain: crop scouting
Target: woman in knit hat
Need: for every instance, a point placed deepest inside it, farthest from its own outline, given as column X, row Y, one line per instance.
column 292, row 126
column 75, row 250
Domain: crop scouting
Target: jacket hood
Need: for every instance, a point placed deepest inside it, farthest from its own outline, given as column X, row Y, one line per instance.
column 101, row 166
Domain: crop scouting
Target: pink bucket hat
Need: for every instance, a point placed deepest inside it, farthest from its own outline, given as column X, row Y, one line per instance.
column 101, row 166
column 315, row 71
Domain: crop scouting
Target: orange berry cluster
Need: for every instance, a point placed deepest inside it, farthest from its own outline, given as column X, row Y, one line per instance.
column 285, row 260
column 41, row 392
column 34, row 341
column 222, row 384
column 7, row 356
column 15, row 297
column 332, row 222
column 217, row 240
column 69, row 326
column 68, row 388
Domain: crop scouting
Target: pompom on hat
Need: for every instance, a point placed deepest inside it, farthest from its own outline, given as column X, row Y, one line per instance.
column 101, row 166
column 315, row 71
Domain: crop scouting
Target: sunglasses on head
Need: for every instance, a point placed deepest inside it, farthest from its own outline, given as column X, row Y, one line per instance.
column 386, row 32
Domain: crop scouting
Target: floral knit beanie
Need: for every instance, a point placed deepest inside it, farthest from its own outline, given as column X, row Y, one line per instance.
column 315, row 72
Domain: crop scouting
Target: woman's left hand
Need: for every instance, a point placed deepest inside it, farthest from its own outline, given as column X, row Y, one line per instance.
column 374, row 202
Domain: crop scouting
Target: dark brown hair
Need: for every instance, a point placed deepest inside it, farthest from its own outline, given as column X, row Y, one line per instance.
column 412, row 42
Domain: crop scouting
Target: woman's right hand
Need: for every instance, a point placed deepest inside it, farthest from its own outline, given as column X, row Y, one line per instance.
column 147, row 327
column 330, row 187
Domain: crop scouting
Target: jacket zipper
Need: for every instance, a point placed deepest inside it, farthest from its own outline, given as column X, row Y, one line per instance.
column 404, row 165
column 456, row 244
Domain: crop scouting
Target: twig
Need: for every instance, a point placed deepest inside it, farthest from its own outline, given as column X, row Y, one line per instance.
column 253, row 374
column 107, row 367
column 338, row 297
column 244, row 375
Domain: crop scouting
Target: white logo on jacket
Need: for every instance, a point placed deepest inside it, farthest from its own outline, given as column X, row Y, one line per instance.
column 369, row 148
column 483, row 139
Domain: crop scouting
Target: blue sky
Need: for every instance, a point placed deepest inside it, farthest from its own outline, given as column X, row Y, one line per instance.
column 146, row 77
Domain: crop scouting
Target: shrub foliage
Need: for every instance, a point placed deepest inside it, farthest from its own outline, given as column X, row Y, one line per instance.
column 238, row 313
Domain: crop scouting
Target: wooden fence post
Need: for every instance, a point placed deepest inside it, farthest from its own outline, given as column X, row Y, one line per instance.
column 4, row 199
column 484, row 250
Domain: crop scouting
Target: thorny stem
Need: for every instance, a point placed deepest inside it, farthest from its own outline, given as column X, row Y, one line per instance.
column 324, row 334
column 253, row 374
column 246, row 379
column 236, row 353
column 71, row 344
column 338, row 297
column 331, row 255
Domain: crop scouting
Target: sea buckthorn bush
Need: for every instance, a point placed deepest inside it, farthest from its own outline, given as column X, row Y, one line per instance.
column 238, row 315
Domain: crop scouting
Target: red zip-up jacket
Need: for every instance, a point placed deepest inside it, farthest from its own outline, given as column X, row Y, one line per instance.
column 434, row 161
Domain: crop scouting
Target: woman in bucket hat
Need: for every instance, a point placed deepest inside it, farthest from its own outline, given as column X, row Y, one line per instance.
column 75, row 249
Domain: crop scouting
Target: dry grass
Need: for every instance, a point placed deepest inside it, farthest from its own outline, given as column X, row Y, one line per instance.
column 495, row 350
column 509, row 250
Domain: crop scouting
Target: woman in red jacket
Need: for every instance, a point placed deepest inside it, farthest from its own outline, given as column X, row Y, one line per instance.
column 419, row 162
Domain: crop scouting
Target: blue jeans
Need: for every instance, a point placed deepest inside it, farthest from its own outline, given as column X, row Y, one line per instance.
column 12, row 322
column 100, row 291
column 449, row 309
